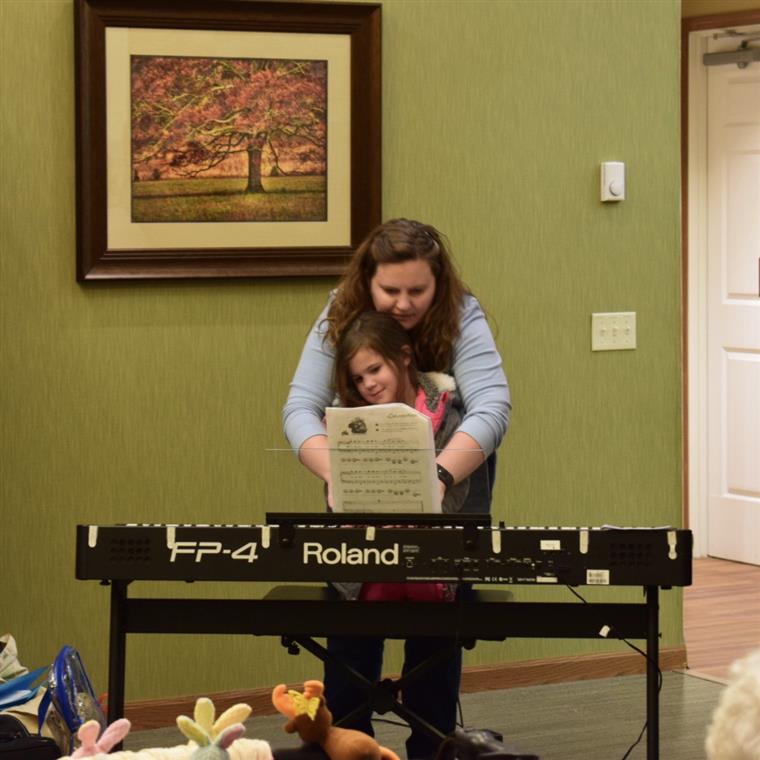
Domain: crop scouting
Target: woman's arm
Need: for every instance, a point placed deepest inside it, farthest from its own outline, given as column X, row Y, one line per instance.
column 310, row 394
column 315, row 456
column 483, row 387
column 461, row 456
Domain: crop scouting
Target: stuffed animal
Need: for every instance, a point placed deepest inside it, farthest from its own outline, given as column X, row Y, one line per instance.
column 212, row 738
column 91, row 745
column 312, row 721
column 212, row 741
column 204, row 723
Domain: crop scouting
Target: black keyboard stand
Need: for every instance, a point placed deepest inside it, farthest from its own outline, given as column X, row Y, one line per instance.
column 382, row 697
column 300, row 613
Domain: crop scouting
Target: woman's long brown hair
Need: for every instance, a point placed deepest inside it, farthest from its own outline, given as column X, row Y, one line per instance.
column 393, row 242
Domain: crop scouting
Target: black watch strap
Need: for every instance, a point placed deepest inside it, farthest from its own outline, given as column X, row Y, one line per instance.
column 445, row 476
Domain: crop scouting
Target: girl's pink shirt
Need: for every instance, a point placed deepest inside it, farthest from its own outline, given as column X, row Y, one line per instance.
column 436, row 415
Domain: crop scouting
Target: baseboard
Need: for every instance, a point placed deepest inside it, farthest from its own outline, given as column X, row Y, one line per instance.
column 510, row 675
column 159, row 713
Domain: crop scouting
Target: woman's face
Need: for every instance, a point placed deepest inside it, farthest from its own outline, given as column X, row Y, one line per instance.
column 376, row 378
column 405, row 290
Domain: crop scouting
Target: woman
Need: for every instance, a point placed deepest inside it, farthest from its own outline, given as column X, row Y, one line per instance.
column 404, row 268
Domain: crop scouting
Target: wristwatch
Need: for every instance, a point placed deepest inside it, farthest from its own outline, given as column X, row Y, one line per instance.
column 445, row 476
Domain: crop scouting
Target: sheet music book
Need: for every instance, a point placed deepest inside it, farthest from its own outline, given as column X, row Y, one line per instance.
column 382, row 459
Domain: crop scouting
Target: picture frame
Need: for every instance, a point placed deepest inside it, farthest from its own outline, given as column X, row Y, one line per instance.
column 149, row 186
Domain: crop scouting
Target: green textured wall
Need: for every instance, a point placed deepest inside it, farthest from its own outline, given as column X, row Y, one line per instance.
column 161, row 402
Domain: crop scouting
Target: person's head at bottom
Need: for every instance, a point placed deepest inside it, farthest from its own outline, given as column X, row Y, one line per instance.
column 734, row 733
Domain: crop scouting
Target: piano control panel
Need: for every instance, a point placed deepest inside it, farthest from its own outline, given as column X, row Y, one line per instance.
column 474, row 552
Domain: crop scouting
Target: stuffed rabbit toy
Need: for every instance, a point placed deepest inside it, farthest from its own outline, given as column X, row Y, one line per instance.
column 212, row 738
column 209, row 738
column 92, row 745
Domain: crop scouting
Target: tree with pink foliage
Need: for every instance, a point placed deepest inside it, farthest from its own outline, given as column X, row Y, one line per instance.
column 193, row 114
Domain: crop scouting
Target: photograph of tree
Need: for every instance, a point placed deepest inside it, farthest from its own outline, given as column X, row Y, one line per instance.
column 228, row 139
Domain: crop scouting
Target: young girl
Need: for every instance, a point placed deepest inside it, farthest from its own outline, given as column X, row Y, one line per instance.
column 374, row 364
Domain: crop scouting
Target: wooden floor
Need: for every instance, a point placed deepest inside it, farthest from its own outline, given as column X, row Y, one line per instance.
column 721, row 614
column 581, row 720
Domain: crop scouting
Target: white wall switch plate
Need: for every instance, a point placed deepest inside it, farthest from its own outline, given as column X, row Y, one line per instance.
column 613, row 331
column 613, row 181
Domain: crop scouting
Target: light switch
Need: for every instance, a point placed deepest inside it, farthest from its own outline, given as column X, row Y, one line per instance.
column 613, row 331
column 613, row 181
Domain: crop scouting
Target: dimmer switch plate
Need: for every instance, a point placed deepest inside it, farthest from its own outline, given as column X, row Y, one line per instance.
column 613, row 181
column 613, row 331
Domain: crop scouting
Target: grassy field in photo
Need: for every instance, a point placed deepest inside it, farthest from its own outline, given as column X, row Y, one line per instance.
column 223, row 199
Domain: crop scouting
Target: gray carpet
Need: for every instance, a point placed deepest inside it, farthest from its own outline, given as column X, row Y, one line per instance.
column 583, row 720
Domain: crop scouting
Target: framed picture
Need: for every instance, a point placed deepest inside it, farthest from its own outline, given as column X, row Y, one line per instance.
column 225, row 138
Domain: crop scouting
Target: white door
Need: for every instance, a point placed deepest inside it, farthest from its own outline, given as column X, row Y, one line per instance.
column 733, row 309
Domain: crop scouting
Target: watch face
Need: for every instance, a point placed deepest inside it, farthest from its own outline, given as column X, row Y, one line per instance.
column 445, row 476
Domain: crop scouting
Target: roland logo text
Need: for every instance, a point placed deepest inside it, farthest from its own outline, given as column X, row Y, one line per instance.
column 315, row 553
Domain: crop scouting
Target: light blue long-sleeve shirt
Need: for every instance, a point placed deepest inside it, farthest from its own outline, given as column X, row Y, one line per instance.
column 476, row 366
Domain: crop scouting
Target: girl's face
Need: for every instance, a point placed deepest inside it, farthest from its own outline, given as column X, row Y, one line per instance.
column 405, row 290
column 376, row 379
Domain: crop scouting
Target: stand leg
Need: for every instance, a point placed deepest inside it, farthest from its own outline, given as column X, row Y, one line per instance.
column 381, row 696
column 117, row 646
column 653, row 661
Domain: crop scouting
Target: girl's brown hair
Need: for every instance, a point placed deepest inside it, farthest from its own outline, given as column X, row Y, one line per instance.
column 377, row 332
column 393, row 242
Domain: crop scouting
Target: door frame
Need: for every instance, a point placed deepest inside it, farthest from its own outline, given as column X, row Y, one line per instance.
column 694, row 263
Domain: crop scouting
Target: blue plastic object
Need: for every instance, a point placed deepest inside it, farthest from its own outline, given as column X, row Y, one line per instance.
column 19, row 689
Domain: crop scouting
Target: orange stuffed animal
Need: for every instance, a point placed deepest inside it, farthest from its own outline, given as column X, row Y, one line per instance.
column 309, row 717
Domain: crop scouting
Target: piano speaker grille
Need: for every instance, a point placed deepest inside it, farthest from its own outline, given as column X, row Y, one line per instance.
column 129, row 550
column 630, row 554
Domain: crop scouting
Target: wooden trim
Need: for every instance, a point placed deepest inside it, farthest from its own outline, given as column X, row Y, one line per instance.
column 718, row 20
column 159, row 713
column 565, row 669
column 689, row 25
column 685, row 271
